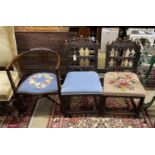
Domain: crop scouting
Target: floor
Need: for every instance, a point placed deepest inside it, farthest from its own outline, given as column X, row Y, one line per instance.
column 42, row 111
column 41, row 114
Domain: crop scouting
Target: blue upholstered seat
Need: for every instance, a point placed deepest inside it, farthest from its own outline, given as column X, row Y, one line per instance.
column 39, row 83
column 82, row 82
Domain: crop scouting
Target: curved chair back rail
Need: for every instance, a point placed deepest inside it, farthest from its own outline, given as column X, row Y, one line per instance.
column 31, row 51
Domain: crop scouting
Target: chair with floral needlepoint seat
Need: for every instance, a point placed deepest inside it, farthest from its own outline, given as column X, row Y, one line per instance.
column 121, row 80
column 43, row 80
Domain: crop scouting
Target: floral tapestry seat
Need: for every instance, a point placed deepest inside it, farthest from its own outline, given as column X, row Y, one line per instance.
column 39, row 83
column 123, row 84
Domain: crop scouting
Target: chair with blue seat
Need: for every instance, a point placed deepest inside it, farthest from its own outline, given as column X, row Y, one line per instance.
column 82, row 79
column 38, row 70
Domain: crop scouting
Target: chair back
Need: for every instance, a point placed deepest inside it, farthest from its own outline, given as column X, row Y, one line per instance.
column 36, row 60
column 122, row 55
column 81, row 54
column 8, row 48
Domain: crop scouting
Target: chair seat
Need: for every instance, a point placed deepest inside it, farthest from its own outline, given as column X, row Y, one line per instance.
column 82, row 82
column 6, row 91
column 39, row 83
column 123, row 84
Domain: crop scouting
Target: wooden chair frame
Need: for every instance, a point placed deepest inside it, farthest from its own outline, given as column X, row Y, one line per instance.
column 121, row 45
column 56, row 70
column 76, row 44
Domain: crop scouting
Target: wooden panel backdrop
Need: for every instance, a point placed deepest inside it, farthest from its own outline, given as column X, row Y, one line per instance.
column 52, row 40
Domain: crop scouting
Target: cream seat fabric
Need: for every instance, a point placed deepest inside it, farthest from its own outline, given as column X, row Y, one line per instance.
column 8, row 52
column 8, row 49
column 6, row 91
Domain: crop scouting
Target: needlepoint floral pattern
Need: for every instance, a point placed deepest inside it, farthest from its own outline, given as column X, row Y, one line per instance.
column 122, row 81
column 40, row 80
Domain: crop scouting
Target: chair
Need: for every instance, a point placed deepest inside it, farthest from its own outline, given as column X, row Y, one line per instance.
column 81, row 79
column 120, row 80
column 43, row 78
column 8, row 52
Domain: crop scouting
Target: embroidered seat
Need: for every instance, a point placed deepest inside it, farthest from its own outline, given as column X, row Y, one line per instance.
column 126, row 85
column 123, row 84
column 39, row 83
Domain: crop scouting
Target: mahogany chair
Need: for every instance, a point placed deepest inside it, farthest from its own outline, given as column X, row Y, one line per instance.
column 43, row 78
column 81, row 79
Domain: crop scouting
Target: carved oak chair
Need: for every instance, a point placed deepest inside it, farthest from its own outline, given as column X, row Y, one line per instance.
column 43, row 78
column 81, row 79
column 120, row 80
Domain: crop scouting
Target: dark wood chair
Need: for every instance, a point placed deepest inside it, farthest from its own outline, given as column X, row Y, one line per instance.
column 81, row 79
column 43, row 79
column 122, row 55
column 122, row 58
